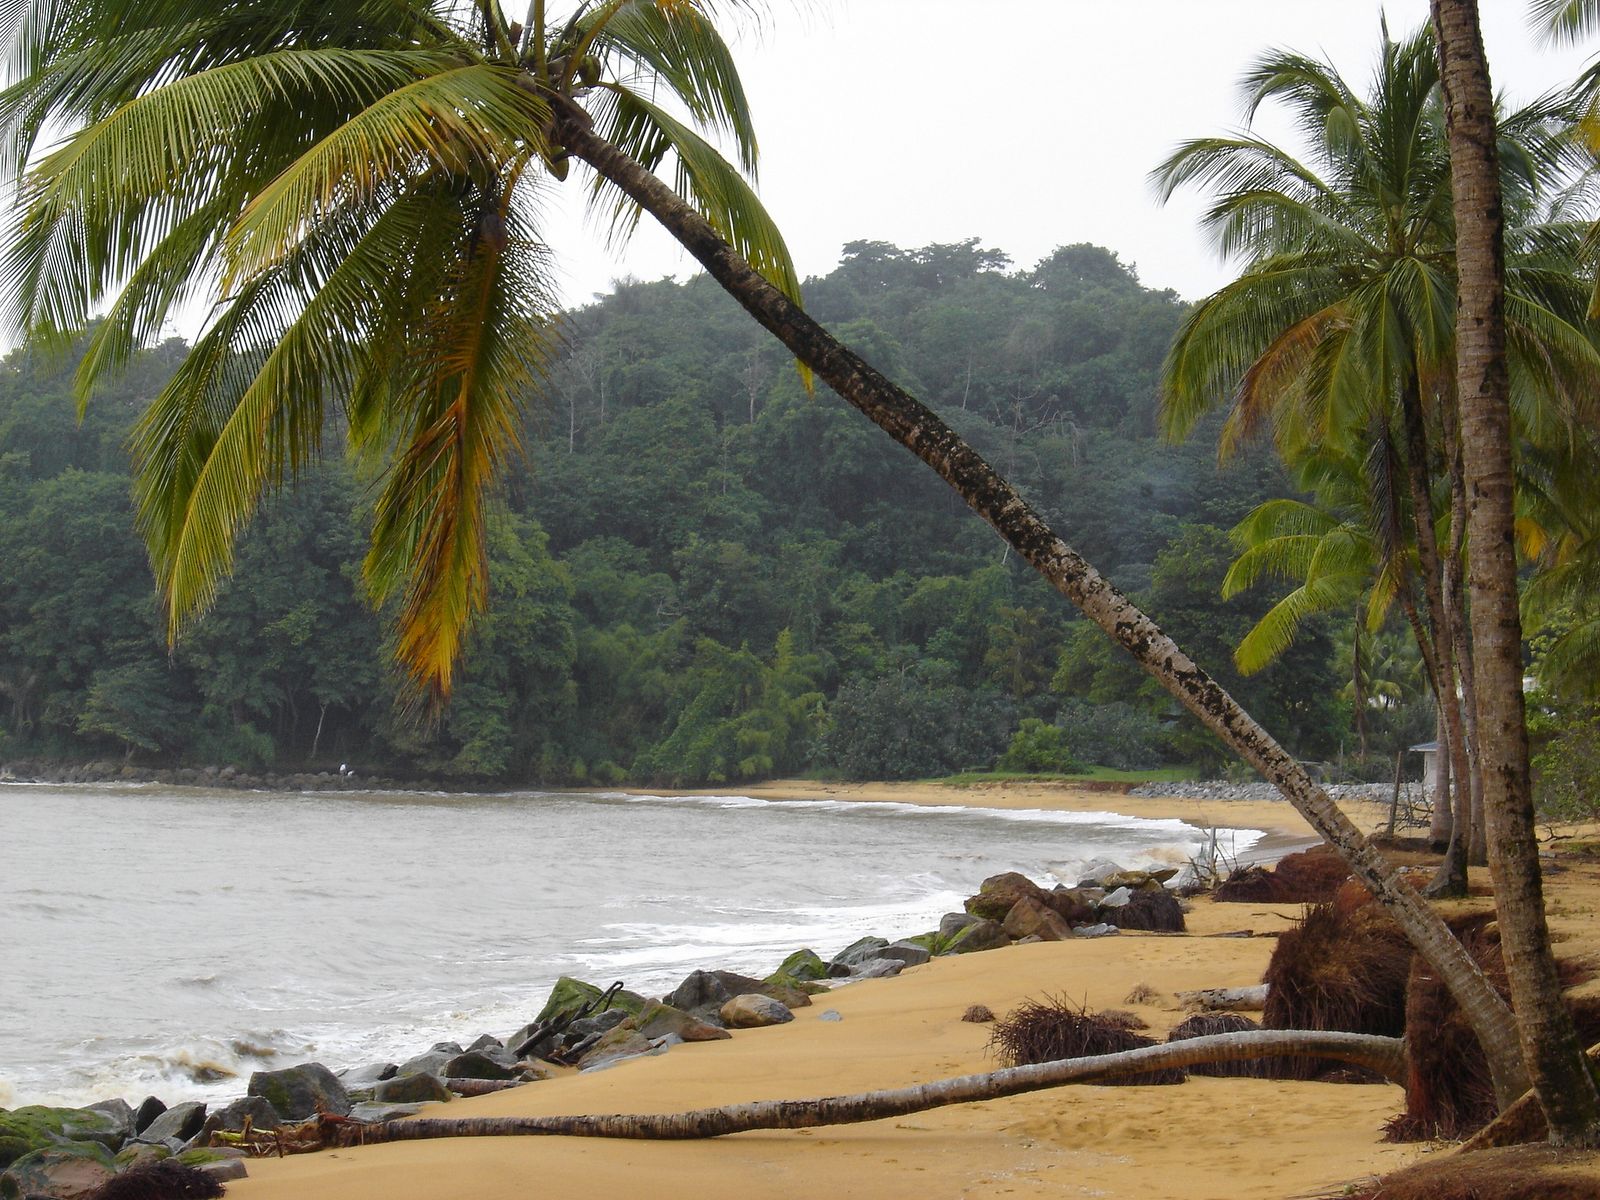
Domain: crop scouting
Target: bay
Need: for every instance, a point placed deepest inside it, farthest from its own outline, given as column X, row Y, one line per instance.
column 171, row 940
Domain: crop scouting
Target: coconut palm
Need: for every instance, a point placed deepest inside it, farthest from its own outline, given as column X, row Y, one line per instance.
column 1338, row 331
column 1556, row 1064
column 354, row 184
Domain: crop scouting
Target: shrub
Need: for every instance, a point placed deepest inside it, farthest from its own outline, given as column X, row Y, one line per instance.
column 1039, row 747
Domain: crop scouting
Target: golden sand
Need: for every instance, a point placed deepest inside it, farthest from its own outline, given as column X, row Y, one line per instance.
column 1224, row 1138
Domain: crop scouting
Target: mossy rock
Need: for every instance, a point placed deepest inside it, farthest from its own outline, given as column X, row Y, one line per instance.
column 804, row 966
column 980, row 935
column 38, row 1127
column 928, row 941
column 69, row 1168
column 139, row 1152
column 199, row 1156
column 569, row 996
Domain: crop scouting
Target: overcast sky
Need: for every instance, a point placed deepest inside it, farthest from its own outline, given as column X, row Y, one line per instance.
column 1027, row 123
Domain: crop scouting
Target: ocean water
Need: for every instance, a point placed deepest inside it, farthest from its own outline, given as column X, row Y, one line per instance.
column 172, row 940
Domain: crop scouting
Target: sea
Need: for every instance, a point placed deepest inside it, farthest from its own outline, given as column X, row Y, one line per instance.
column 170, row 941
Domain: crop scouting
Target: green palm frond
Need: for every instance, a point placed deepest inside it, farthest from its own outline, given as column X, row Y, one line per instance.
column 648, row 134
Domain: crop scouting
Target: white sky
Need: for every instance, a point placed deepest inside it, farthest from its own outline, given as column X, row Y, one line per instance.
column 1026, row 123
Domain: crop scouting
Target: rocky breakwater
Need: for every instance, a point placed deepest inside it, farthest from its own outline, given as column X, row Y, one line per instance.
column 1378, row 793
column 67, row 1153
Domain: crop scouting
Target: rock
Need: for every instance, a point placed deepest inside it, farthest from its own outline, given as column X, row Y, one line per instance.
column 953, row 923
column 135, row 1153
column 37, row 1127
column 702, row 995
column 474, row 1064
column 534, row 1072
column 257, row 1109
column 1074, row 904
column 569, row 996
column 998, row 893
column 180, row 1122
column 66, row 1172
column 660, row 1020
column 1034, row 918
column 226, row 1170
column 753, row 1011
column 417, row 1088
column 829, row 1014
column 485, row 1041
column 367, row 1076
column 803, row 965
column 149, row 1109
column 1097, row 871
column 1094, row 931
column 603, row 1022
column 789, row 993
column 121, row 1116
column 980, row 935
column 431, row 1063
column 1158, row 910
column 301, row 1092
column 907, row 952
column 978, row 1014
column 376, row 1113
column 877, row 968
column 857, row 951
column 622, row 1042
column 445, row 1048
column 1117, row 898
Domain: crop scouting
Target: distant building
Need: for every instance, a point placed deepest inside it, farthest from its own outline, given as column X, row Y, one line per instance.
column 1430, row 763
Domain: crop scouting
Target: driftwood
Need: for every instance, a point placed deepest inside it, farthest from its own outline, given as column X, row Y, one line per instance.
column 1234, row 999
column 558, row 1024
column 1383, row 1055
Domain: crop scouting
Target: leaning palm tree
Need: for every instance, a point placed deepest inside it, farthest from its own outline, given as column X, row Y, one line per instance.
column 355, row 186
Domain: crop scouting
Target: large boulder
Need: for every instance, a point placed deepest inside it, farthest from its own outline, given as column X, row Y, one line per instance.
column 416, row 1088
column 66, row 1172
column 1030, row 918
column 38, row 1127
column 659, row 1020
column 475, row 1064
column 178, row 1124
column 998, row 893
column 302, row 1092
column 149, row 1109
column 753, row 1011
column 569, row 996
column 1158, row 910
column 121, row 1114
column 980, row 935
column 877, row 968
column 858, row 951
column 430, row 1062
column 803, row 965
column 1076, row 905
column 702, row 995
column 908, row 952
column 255, row 1109
column 622, row 1042
column 367, row 1076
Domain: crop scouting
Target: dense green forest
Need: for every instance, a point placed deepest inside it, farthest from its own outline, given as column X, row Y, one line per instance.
column 702, row 573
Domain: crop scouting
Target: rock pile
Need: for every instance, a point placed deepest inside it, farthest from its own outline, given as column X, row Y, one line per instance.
column 65, row 1152
column 1222, row 790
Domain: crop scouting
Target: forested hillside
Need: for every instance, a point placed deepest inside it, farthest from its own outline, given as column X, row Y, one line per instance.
column 703, row 573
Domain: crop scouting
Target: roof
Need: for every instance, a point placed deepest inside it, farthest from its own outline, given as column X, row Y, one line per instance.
column 1425, row 748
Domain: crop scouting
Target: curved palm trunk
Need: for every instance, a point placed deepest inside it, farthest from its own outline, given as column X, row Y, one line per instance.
column 1560, row 1074
column 921, row 431
column 1383, row 1055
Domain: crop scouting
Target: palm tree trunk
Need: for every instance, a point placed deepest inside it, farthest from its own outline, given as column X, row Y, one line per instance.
column 1451, row 878
column 919, row 430
column 1381, row 1054
column 1555, row 1062
column 1455, row 611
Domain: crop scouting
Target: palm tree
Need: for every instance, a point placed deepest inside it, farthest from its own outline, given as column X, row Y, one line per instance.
column 356, row 181
column 1560, row 1072
column 1337, row 333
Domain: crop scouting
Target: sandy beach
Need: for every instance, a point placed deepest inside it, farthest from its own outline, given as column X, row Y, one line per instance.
column 1239, row 1139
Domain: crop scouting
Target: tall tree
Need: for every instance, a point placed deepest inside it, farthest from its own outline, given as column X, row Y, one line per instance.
column 356, row 177
column 1556, row 1064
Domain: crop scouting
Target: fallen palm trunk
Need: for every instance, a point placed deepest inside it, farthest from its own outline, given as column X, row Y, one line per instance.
column 1235, row 999
column 1383, row 1055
